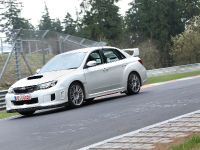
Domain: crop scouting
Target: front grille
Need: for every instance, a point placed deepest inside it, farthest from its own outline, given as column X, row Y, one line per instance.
column 32, row 101
column 23, row 90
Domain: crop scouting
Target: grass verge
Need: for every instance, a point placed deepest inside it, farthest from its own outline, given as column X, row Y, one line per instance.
column 4, row 114
column 172, row 77
column 190, row 144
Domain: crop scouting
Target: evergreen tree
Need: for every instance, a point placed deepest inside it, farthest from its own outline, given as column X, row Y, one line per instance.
column 153, row 18
column 101, row 20
column 69, row 25
column 46, row 22
column 11, row 19
column 57, row 26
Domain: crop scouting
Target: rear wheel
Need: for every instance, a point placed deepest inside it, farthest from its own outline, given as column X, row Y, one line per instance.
column 133, row 85
column 76, row 95
column 27, row 112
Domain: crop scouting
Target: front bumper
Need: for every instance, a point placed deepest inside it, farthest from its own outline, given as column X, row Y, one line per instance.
column 44, row 100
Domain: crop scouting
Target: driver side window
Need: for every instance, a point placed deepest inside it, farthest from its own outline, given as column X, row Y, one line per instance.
column 95, row 56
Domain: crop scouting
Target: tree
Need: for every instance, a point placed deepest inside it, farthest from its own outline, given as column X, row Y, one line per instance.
column 155, row 19
column 186, row 46
column 189, row 9
column 69, row 25
column 160, row 20
column 11, row 19
column 45, row 22
column 101, row 20
column 57, row 26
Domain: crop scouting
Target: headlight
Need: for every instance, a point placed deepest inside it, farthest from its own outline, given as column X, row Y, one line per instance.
column 10, row 90
column 47, row 85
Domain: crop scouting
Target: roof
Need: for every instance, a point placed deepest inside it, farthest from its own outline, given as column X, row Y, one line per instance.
column 88, row 49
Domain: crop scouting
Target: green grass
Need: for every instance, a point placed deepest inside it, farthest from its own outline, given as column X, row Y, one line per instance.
column 172, row 77
column 35, row 60
column 190, row 144
column 4, row 114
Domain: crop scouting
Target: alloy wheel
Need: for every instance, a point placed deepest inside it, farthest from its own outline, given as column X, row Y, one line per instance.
column 76, row 95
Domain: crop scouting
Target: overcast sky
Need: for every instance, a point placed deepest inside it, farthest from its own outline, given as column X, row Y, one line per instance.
column 57, row 8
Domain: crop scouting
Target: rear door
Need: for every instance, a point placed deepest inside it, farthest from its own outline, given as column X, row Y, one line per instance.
column 114, row 66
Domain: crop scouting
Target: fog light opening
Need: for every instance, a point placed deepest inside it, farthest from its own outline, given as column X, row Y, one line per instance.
column 53, row 97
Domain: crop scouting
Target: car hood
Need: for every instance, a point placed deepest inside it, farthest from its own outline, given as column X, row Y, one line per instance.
column 42, row 78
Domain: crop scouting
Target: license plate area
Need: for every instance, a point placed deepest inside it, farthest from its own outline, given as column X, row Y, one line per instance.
column 23, row 97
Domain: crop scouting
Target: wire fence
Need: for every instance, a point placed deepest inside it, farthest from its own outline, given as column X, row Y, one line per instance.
column 31, row 49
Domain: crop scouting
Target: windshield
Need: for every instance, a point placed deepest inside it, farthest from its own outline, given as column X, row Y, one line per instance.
column 64, row 62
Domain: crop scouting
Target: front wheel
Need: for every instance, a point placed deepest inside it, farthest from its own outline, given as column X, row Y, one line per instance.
column 27, row 112
column 133, row 85
column 76, row 95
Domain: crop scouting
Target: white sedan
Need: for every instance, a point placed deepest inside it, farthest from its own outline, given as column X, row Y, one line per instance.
column 77, row 76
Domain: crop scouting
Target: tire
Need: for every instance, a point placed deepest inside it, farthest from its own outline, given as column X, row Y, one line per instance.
column 76, row 95
column 27, row 112
column 133, row 84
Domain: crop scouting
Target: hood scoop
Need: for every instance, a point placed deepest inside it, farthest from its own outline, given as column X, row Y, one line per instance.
column 34, row 77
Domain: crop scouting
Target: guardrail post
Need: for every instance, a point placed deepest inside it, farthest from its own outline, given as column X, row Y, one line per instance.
column 2, row 100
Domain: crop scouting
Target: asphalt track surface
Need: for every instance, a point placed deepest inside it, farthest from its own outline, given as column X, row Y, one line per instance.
column 70, row 129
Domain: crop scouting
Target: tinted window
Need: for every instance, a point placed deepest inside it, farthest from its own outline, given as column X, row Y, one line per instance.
column 95, row 56
column 110, row 56
column 119, row 54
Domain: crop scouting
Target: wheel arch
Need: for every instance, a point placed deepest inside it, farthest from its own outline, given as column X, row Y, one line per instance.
column 82, row 85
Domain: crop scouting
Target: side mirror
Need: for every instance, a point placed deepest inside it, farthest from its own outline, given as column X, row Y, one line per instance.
column 91, row 63
column 37, row 71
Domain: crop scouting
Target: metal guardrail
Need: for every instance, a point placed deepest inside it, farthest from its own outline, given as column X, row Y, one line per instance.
column 2, row 99
column 150, row 73
column 173, row 70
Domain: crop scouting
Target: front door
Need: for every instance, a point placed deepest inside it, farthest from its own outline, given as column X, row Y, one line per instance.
column 95, row 76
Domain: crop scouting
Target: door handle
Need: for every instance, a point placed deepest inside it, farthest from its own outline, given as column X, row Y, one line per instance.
column 124, row 65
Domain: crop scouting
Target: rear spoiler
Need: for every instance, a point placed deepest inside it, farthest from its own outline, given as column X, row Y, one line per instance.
column 135, row 52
